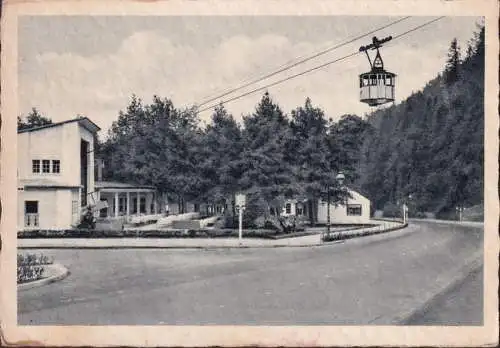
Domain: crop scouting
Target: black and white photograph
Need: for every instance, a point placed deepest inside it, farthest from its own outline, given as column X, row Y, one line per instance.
column 217, row 168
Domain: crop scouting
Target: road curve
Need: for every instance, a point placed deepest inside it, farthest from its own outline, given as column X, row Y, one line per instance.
column 372, row 280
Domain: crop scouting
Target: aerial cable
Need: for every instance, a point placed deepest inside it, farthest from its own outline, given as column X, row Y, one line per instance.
column 301, row 61
column 312, row 69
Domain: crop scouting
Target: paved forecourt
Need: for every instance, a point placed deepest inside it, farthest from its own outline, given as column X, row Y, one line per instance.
column 380, row 279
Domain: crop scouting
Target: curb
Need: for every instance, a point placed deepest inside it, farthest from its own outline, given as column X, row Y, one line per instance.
column 474, row 264
column 451, row 222
column 61, row 272
column 369, row 233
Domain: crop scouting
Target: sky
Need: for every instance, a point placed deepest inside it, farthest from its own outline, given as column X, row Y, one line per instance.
column 92, row 65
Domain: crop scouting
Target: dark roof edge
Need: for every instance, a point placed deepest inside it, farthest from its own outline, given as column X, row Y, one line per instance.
column 26, row 130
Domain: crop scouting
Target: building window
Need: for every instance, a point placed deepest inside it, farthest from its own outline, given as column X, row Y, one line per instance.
column 56, row 166
column 134, row 205
column 36, row 166
column 122, row 204
column 45, row 166
column 299, row 210
column 354, row 209
column 143, row 205
column 288, row 208
column 31, row 214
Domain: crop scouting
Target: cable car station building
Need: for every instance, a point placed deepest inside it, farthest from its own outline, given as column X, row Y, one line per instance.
column 57, row 179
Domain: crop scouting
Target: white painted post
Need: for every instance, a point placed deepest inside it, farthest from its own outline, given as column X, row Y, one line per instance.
column 240, row 201
column 155, row 207
column 138, row 205
column 240, row 224
column 116, row 204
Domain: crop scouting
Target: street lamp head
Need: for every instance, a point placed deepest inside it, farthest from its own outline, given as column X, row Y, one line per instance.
column 340, row 178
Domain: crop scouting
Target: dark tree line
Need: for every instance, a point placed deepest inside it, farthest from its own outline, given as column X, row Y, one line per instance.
column 431, row 145
column 33, row 119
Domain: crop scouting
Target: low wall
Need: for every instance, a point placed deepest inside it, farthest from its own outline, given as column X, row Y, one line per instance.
column 341, row 235
column 141, row 219
column 194, row 224
column 168, row 220
column 110, row 225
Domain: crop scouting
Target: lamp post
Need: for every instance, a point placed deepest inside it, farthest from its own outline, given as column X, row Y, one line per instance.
column 459, row 209
column 406, row 204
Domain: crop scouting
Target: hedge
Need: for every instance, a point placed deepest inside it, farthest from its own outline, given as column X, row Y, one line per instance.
column 202, row 233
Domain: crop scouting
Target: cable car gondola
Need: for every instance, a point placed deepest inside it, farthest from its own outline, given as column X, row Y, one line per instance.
column 377, row 85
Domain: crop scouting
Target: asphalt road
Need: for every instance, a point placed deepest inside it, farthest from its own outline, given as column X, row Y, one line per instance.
column 372, row 280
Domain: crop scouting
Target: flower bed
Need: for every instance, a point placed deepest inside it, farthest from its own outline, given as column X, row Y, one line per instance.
column 30, row 267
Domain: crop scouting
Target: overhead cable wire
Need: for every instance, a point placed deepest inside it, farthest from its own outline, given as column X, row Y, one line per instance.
column 301, row 61
column 312, row 69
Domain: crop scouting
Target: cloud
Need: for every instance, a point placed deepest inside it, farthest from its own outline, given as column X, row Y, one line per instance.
column 147, row 63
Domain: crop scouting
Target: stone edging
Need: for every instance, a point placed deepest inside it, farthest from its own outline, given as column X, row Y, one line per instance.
column 369, row 233
column 60, row 272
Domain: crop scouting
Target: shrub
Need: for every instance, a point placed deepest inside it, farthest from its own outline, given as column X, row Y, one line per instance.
column 29, row 273
column 33, row 260
column 30, row 267
column 392, row 210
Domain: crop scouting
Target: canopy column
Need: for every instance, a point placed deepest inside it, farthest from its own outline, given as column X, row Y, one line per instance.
column 116, row 204
column 128, row 205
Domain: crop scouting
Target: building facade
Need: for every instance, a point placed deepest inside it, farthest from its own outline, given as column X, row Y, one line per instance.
column 356, row 210
column 55, row 173
column 58, row 180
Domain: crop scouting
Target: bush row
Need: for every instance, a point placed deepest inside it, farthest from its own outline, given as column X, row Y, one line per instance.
column 202, row 233
column 341, row 236
column 33, row 260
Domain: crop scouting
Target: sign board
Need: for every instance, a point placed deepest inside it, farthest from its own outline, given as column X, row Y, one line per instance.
column 100, row 205
column 240, row 200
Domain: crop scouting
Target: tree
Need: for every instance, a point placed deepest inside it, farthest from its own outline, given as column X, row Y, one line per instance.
column 313, row 161
column 220, row 157
column 33, row 119
column 155, row 144
column 452, row 67
column 266, row 174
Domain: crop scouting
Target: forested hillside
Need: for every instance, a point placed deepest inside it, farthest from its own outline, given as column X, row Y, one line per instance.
column 430, row 146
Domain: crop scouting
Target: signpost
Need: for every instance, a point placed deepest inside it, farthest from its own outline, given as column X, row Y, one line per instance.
column 240, row 206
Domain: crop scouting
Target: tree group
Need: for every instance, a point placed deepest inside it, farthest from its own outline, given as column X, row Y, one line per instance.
column 270, row 157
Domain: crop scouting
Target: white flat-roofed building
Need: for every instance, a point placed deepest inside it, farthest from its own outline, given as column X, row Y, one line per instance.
column 58, row 180
column 55, row 173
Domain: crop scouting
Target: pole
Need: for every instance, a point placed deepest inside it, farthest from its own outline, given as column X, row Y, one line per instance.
column 240, row 224
column 328, row 214
column 404, row 213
